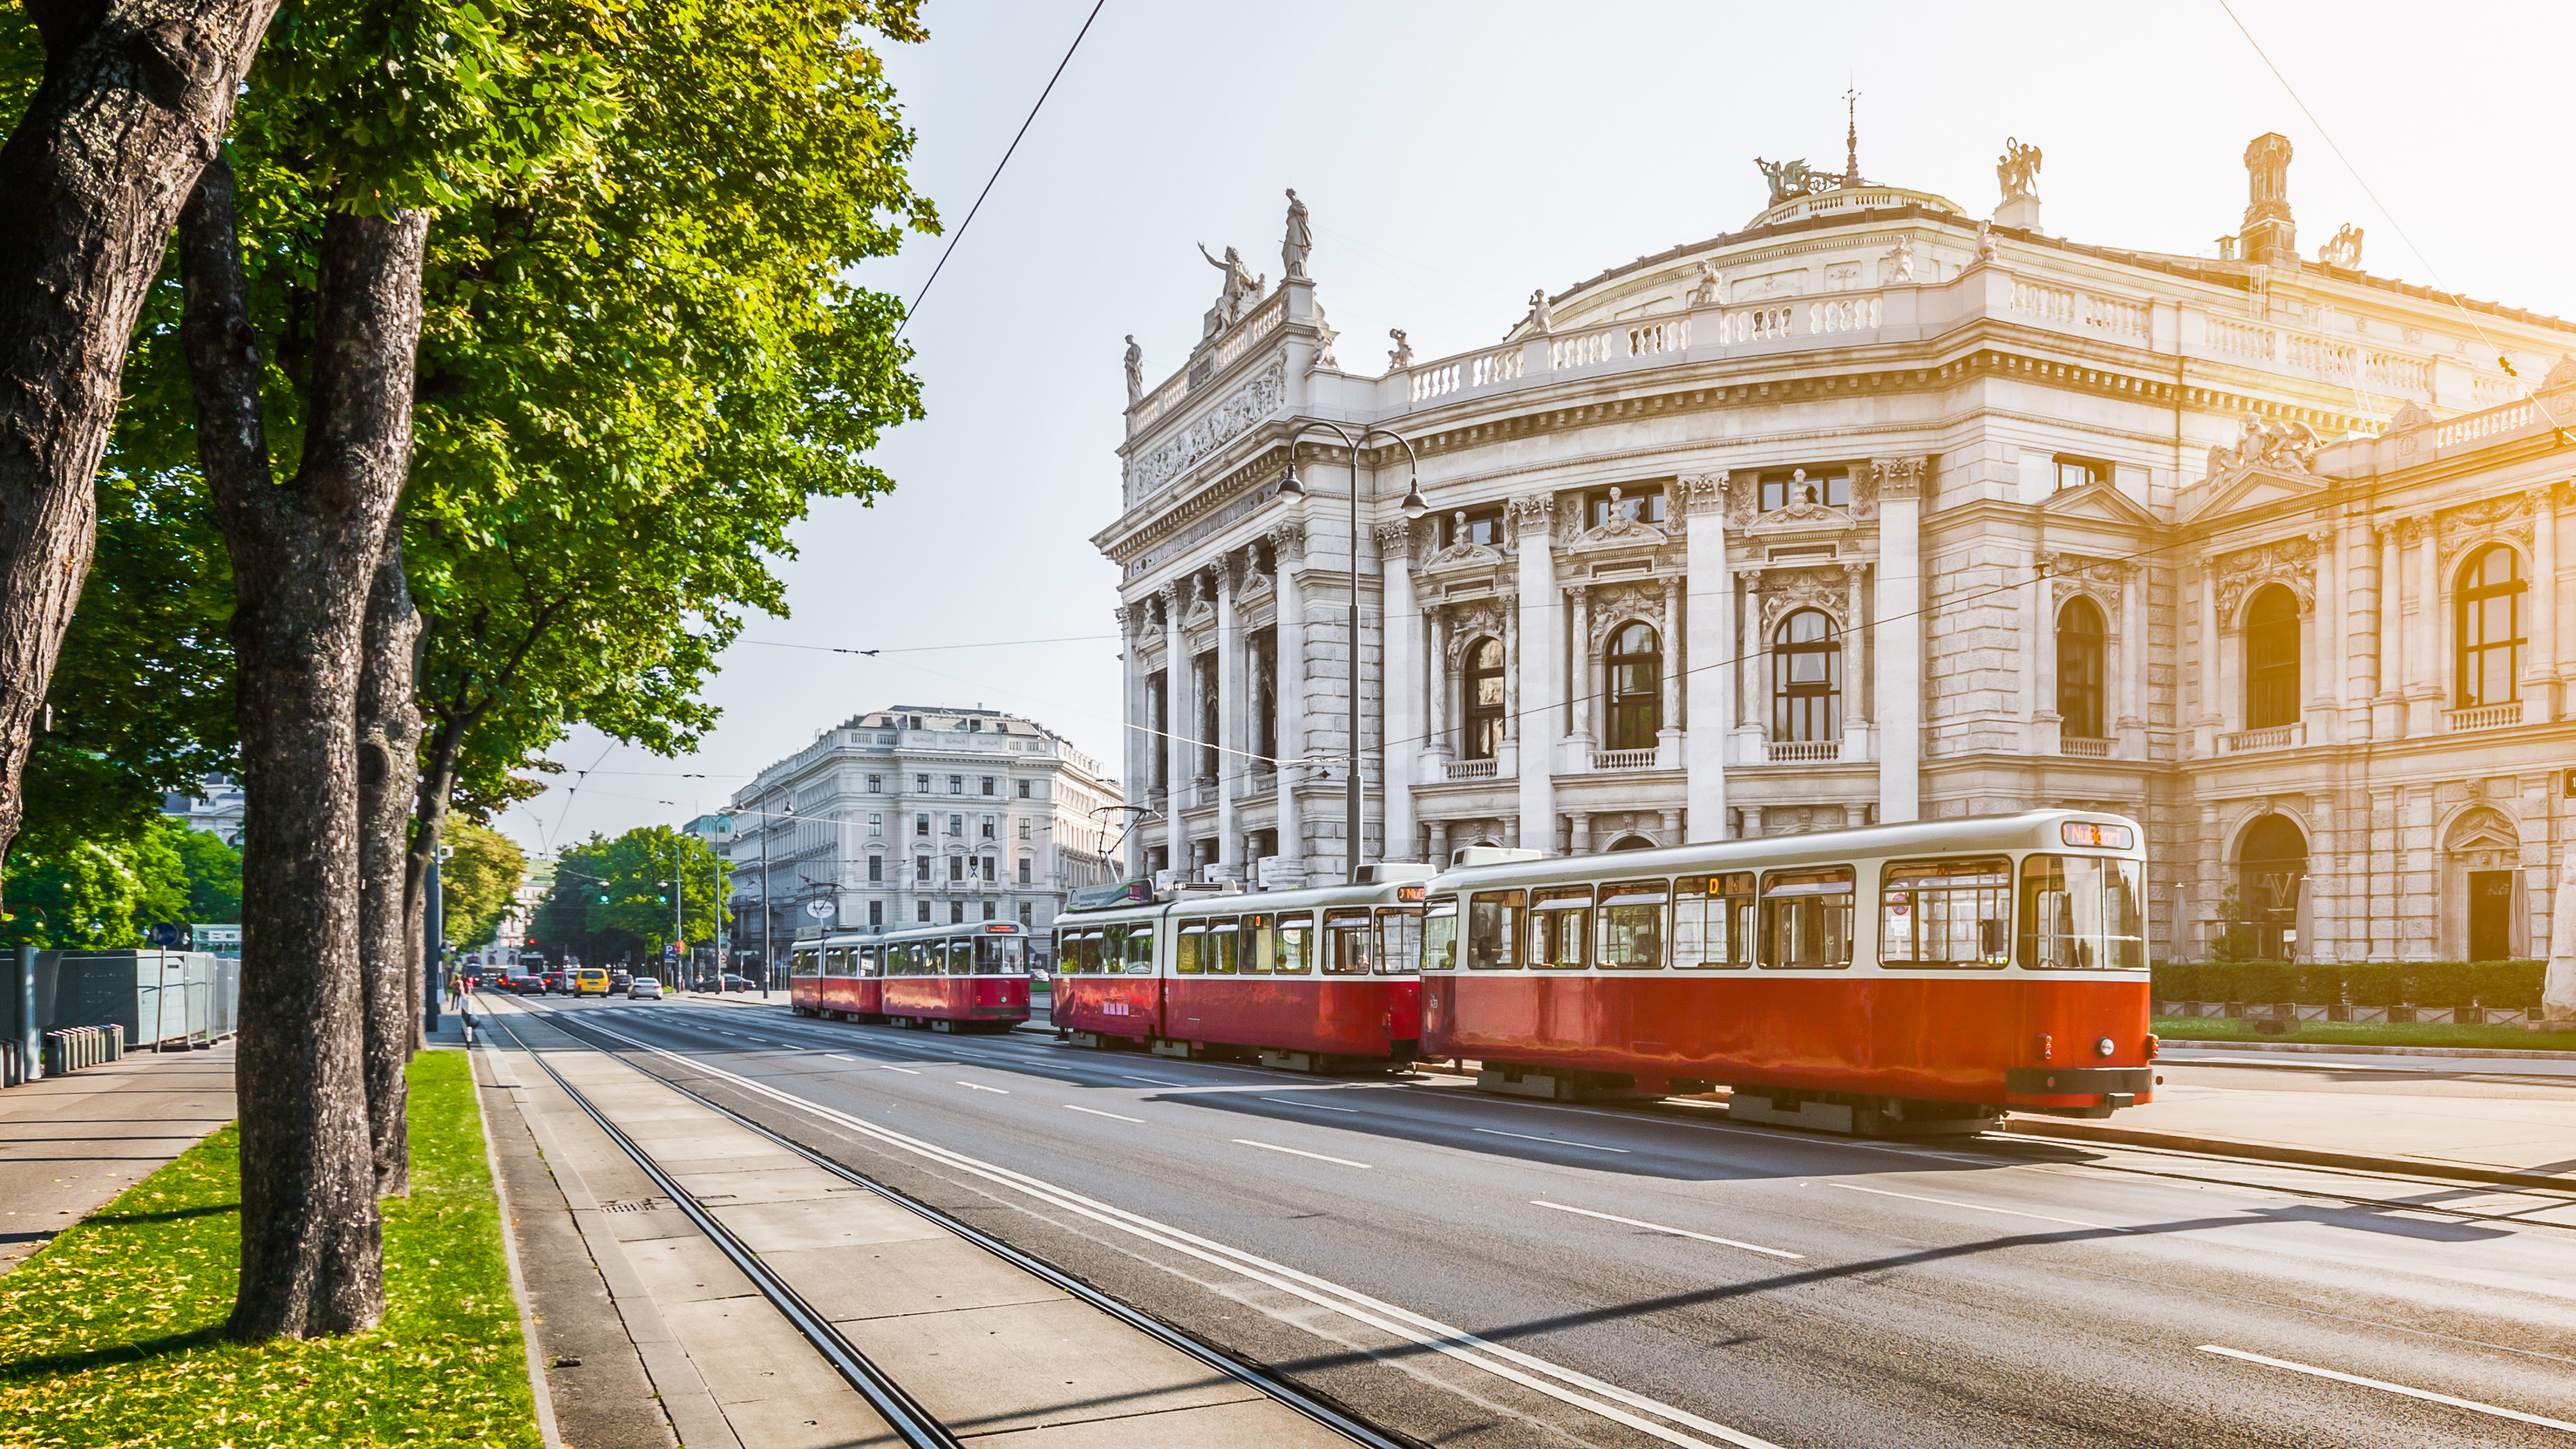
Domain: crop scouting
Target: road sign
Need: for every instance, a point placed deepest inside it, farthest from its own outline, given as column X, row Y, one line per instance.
column 818, row 909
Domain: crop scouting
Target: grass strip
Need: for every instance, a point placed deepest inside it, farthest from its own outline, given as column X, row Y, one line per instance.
column 2182, row 1029
column 113, row 1335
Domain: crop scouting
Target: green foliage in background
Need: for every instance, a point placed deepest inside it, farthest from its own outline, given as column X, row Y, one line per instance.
column 611, row 899
column 478, row 883
column 2505, row 985
column 108, row 891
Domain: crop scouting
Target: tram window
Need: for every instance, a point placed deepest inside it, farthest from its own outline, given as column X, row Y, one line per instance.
column 1632, row 925
column 1189, row 949
column 1494, row 930
column 1068, row 953
column 961, row 956
column 836, row 962
column 1946, row 913
column 1223, row 939
column 801, row 963
column 1440, row 935
column 1807, row 917
column 868, row 962
column 1080, row 953
column 1140, row 951
column 2082, row 913
column 1347, row 945
column 1000, row 956
column 1295, row 955
column 1560, row 928
column 1713, row 921
column 1399, row 940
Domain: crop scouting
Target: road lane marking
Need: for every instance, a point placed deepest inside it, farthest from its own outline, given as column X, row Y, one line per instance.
column 1296, row 1152
column 836, row 1056
column 1567, row 1386
column 1978, row 1207
column 1553, row 1141
column 1318, row 1106
column 970, row 1086
column 1660, row 1228
column 1157, row 1081
column 907, row 1071
column 2425, row 1394
column 1096, row 1112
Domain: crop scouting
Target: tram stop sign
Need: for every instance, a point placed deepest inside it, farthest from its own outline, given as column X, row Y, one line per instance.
column 818, row 909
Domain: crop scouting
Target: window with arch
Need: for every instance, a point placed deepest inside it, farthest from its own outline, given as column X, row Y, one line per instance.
column 1636, row 687
column 1480, row 689
column 1806, row 678
column 2271, row 658
column 2490, row 627
column 2079, row 670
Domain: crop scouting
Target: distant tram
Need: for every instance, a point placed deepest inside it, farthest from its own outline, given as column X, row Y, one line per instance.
column 972, row 977
column 1304, row 979
column 2000, row 962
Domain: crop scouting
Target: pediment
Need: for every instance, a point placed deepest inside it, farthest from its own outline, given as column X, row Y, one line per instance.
column 2252, row 486
column 1802, row 518
column 1464, row 555
column 2101, row 502
column 1622, row 531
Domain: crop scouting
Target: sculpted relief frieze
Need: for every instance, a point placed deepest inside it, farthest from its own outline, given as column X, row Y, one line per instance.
column 1219, row 425
column 2291, row 563
column 1615, row 604
column 1622, row 525
column 1471, row 622
column 1786, row 591
column 2484, row 521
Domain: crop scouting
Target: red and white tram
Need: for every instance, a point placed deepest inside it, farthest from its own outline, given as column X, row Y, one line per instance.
column 1307, row 979
column 2000, row 962
column 972, row 977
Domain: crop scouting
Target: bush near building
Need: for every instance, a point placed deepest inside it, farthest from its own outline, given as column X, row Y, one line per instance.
column 2497, row 985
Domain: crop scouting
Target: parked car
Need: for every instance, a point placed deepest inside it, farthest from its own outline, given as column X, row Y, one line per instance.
column 644, row 989
column 740, row 983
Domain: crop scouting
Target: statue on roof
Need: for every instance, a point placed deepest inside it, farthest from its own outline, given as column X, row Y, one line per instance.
column 1897, row 265
column 1135, row 371
column 1539, row 320
column 1789, row 179
column 2344, row 251
column 1712, row 286
column 2286, row 444
column 1241, row 286
column 1399, row 357
column 2018, row 170
column 1299, row 242
column 1989, row 246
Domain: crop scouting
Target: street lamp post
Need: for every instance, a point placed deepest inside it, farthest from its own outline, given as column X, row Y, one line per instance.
column 1414, row 507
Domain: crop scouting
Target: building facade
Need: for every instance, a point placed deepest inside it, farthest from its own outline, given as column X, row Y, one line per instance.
column 1873, row 510
column 917, row 814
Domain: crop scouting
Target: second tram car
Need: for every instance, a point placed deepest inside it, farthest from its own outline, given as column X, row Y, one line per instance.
column 968, row 977
column 1308, row 978
column 1885, row 980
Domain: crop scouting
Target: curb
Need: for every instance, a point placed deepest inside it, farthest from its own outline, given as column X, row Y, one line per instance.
column 2267, row 1152
column 2234, row 1045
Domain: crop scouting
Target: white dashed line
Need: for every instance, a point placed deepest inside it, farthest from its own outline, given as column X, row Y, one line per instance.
column 997, row 1091
column 1096, row 1112
column 1976, row 1207
column 1660, row 1228
column 1551, row 1141
column 1318, row 1106
column 1296, row 1152
column 2427, row 1395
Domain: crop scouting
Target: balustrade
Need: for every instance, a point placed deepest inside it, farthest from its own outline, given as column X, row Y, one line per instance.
column 2081, row 748
column 2484, row 717
column 2068, row 307
column 1472, row 769
column 1845, row 314
column 1583, row 349
column 2278, row 737
column 1758, row 324
column 2321, row 355
column 1493, row 367
column 1802, row 752
column 2238, row 339
column 1657, row 337
column 1432, row 382
column 1265, row 320
column 2393, row 373
column 1623, row 759
column 2473, row 426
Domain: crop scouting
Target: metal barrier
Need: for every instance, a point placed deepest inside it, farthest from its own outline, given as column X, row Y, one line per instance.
column 75, row 1047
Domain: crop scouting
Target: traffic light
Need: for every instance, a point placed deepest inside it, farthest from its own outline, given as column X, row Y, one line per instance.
column 662, row 899
column 603, row 898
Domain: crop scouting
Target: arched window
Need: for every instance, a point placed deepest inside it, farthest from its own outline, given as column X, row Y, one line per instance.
column 2491, row 627
column 2079, row 670
column 1636, row 687
column 1806, row 679
column 2270, row 862
column 1481, row 688
column 2271, row 659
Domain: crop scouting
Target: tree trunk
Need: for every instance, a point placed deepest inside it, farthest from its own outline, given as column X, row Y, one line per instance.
column 305, row 555
column 134, row 96
column 388, row 749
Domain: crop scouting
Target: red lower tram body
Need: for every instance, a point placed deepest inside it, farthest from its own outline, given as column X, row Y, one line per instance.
column 1373, row 1018
column 2029, row 1044
column 978, row 1003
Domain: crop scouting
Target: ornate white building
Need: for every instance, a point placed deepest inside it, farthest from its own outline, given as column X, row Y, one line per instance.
column 914, row 814
column 1875, row 510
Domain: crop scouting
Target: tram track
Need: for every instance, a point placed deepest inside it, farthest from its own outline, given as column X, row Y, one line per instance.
column 901, row 1411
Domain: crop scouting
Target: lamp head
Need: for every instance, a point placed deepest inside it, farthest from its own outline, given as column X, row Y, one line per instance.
column 1414, row 504
column 1289, row 487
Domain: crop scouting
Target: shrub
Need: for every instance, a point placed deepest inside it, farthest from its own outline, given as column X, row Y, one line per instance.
column 2438, row 983
column 2177, row 980
column 2508, row 985
column 2373, row 983
column 2317, row 985
column 2265, row 981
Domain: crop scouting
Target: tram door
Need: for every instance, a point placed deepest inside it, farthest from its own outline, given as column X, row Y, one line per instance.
column 2490, row 915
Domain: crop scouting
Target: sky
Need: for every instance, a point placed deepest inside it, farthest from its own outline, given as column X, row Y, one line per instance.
column 1455, row 156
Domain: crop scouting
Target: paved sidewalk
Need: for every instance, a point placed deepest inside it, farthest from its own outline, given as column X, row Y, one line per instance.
column 68, row 1144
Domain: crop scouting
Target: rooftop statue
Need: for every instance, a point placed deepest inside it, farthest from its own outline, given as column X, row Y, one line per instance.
column 1135, row 371
column 1401, row 356
column 2288, row 445
column 1789, row 179
column 1241, row 286
column 1989, row 246
column 1539, row 320
column 1300, row 241
column 1712, row 286
column 2018, row 170
column 2344, row 251
column 1898, row 263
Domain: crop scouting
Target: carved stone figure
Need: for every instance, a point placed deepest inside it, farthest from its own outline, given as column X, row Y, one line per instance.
column 2289, row 445
column 1400, row 356
column 1241, row 286
column 2344, row 251
column 1898, row 263
column 2018, row 170
column 2562, row 373
column 1299, row 242
column 1135, row 371
column 1789, row 179
column 1989, row 246
column 1324, row 335
column 1539, row 320
column 1622, row 522
column 2410, row 414
column 1712, row 286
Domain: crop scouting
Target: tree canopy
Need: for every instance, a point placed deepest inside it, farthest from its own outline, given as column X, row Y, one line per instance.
column 612, row 899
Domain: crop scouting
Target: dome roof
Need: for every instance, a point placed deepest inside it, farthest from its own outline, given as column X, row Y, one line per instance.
column 1865, row 197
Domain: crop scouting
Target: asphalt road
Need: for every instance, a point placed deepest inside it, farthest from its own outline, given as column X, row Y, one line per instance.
column 1476, row 1271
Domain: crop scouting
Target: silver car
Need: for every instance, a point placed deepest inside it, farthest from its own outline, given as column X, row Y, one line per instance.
column 645, row 988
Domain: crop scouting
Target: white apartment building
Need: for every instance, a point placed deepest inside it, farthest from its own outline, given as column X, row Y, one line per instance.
column 916, row 814
column 1873, row 509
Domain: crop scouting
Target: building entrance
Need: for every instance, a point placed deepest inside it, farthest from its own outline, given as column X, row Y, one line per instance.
column 2490, row 915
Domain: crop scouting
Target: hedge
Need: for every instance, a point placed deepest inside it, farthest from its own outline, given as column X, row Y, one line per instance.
column 2503, row 985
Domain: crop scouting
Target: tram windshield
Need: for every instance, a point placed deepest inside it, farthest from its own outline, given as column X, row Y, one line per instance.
column 1399, row 940
column 1440, row 935
column 2082, row 913
column 1001, row 956
column 803, row 963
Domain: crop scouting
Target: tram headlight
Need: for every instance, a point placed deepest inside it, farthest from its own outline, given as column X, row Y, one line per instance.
column 2103, row 1047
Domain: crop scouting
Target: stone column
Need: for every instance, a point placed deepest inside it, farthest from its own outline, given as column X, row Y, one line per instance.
column 1751, row 680
column 1709, row 690
column 2388, row 704
column 2542, row 675
column 1400, row 733
column 1579, row 833
column 1442, row 745
column 1439, row 842
column 1586, row 682
column 2134, row 634
column 2205, row 727
column 1288, row 555
column 1507, row 752
column 2424, row 644
column 1858, row 690
column 2039, row 654
column 1900, row 637
column 2333, row 636
column 1668, row 740
column 1537, row 666
column 1179, row 704
column 1230, row 763
column 1131, row 665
